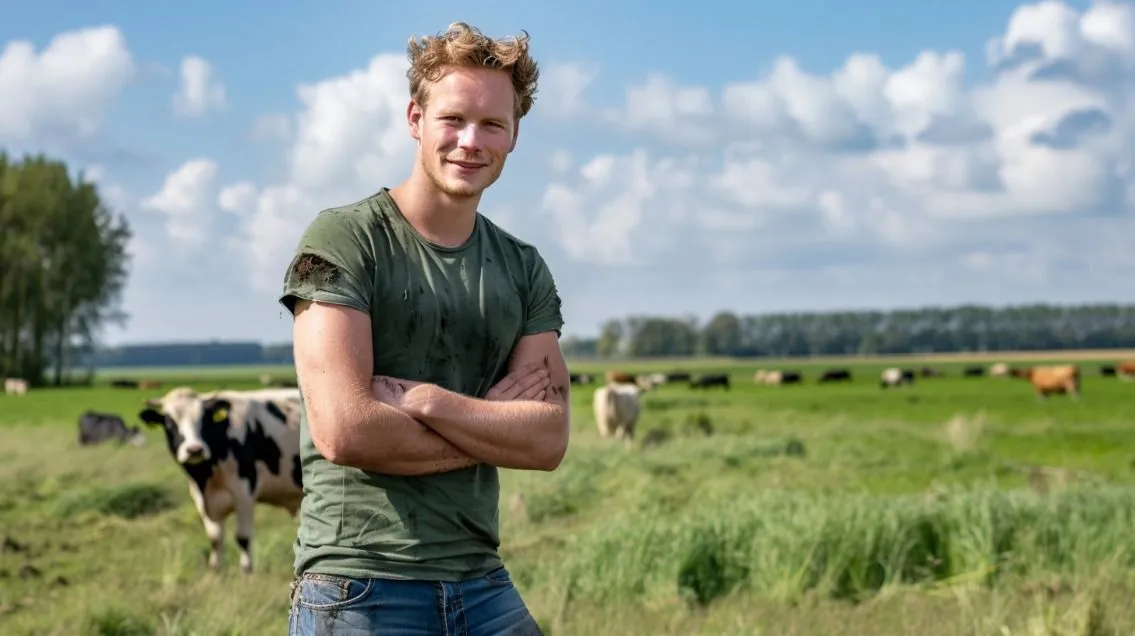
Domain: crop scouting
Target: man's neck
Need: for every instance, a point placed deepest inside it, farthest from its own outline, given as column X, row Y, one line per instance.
column 435, row 215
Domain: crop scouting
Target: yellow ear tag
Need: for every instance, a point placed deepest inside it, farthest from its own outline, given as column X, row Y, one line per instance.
column 220, row 415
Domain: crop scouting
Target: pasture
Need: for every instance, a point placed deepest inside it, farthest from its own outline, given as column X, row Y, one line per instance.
column 954, row 506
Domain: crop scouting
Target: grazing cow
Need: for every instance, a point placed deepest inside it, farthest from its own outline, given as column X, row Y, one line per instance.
column 617, row 407
column 237, row 448
column 619, row 377
column 835, row 375
column 895, row 376
column 973, row 372
column 713, row 379
column 930, row 372
column 1107, row 370
column 95, row 428
column 1052, row 379
column 677, row 376
column 150, row 384
column 777, row 378
column 1125, row 370
column 999, row 370
column 15, row 386
column 579, row 378
column 124, row 383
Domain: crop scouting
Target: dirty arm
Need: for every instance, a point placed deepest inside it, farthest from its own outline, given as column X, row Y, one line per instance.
column 520, row 434
column 349, row 426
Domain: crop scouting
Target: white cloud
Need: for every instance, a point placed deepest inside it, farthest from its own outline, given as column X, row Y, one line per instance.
column 65, row 89
column 200, row 91
column 186, row 198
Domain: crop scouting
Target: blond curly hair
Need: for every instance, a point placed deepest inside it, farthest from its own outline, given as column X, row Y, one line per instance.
column 431, row 57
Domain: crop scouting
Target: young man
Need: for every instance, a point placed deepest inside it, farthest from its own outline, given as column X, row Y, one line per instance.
column 426, row 347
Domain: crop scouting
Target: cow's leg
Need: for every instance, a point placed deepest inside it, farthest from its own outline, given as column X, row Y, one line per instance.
column 214, row 528
column 244, row 510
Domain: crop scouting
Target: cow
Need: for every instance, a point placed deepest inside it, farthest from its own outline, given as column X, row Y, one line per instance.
column 1125, row 370
column 1052, row 379
column 713, row 379
column 895, row 376
column 999, row 370
column 579, row 378
column 124, row 383
column 620, row 377
column 677, row 376
column 15, row 386
column 616, row 408
column 777, row 378
column 973, row 372
column 150, row 384
column 930, row 372
column 835, row 375
column 237, row 448
column 95, row 428
column 1107, row 370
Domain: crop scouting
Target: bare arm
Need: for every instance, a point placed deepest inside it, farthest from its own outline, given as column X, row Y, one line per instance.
column 334, row 362
column 522, row 434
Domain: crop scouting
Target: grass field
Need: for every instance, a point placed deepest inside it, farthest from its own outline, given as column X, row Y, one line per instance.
column 957, row 506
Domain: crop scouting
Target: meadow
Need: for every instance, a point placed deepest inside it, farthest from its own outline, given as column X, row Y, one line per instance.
column 956, row 506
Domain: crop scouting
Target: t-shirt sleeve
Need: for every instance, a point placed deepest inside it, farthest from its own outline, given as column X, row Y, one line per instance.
column 333, row 264
column 544, row 312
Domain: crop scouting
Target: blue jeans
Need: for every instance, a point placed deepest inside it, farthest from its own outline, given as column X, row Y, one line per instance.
column 489, row 605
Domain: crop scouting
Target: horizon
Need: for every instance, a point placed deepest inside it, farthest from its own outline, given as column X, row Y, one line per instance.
column 901, row 155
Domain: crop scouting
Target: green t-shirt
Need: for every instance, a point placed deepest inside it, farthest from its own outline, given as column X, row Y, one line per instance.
column 446, row 315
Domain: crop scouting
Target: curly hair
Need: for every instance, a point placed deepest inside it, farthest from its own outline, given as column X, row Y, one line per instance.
column 431, row 57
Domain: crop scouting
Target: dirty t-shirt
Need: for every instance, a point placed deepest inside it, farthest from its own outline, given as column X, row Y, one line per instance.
column 445, row 315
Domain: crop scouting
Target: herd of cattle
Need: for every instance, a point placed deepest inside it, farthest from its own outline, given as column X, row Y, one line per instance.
column 618, row 403
column 240, row 447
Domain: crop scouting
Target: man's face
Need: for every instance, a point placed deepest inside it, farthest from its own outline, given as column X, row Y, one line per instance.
column 466, row 130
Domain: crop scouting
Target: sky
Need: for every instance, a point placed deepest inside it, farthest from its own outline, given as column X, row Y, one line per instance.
column 681, row 158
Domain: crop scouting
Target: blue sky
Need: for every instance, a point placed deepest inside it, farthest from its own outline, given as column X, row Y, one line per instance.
column 776, row 157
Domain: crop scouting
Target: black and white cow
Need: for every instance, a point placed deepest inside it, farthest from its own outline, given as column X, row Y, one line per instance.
column 237, row 448
column 95, row 428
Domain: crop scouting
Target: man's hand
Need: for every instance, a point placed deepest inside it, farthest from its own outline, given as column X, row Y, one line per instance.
column 390, row 390
column 525, row 383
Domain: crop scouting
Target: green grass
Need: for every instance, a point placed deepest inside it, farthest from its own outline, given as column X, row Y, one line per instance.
column 956, row 506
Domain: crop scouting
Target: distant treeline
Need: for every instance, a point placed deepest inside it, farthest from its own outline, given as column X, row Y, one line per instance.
column 966, row 328
column 193, row 354
column 929, row 330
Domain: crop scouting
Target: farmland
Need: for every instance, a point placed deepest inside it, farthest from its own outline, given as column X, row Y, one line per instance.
column 958, row 505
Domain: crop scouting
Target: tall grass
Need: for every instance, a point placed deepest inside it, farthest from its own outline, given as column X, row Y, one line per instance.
column 784, row 545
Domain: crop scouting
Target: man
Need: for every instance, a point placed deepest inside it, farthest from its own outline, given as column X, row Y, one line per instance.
column 427, row 351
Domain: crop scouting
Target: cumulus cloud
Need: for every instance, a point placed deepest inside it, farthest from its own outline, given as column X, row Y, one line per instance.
column 868, row 157
column 200, row 91
column 186, row 200
column 65, row 89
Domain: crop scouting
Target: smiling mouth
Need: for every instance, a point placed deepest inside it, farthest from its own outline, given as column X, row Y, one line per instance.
column 467, row 165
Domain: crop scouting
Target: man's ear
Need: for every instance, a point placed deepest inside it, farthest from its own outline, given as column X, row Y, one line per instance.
column 414, row 115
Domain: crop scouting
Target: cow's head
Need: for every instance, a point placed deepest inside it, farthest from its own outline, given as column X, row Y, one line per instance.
column 195, row 428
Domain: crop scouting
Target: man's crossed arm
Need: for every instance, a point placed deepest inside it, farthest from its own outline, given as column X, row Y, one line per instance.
column 401, row 427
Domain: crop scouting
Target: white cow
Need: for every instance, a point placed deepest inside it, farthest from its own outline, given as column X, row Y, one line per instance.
column 617, row 407
column 237, row 448
column 15, row 386
column 895, row 376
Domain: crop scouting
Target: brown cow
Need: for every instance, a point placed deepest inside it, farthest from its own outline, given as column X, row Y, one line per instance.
column 619, row 377
column 1125, row 370
column 1046, row 380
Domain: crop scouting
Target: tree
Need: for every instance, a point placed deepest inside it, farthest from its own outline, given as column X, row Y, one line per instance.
column 63, row 265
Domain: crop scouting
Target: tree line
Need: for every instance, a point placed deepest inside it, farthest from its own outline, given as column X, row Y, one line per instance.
column 964, row 328
column 63, row 265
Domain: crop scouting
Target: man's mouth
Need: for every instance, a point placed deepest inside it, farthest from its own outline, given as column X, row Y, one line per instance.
column 466, row 164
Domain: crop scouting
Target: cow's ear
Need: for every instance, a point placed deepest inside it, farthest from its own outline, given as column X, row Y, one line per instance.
column 152, row 417
column 217, row 410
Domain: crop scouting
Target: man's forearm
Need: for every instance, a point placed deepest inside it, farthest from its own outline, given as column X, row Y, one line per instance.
column 522, row 434
column 389, row 441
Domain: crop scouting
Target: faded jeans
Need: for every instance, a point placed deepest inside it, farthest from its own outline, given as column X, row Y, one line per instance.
column 489, row 605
